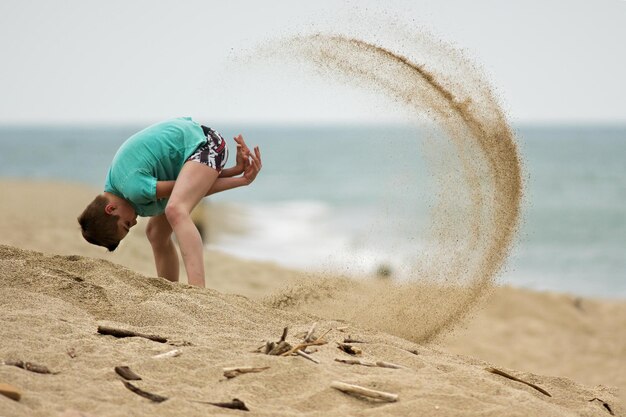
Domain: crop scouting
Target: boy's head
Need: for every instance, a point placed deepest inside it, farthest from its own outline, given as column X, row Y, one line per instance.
column 106, row 221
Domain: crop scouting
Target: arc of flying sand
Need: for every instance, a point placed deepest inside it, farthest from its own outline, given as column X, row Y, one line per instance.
column 485, row 129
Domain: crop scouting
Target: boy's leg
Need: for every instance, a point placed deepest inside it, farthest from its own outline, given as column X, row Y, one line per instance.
column 193, row 182
column 159, row 234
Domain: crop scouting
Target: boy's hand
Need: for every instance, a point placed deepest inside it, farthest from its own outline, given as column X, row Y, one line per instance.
column 254, row 166
column 243, row 154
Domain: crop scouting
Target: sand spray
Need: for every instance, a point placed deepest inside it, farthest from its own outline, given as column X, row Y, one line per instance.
column 479, row 188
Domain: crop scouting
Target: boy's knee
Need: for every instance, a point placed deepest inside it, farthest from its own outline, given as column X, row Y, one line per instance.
column 157, row 235
column 175, row 213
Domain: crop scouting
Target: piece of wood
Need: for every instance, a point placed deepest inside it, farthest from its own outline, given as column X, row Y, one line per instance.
column 10, row 391
column 606, row 405
column 307, row 356
column 319, row 341
column 29, row 366
column 233, row 372
column 342, row 328
column 126, row 373
column 268, row 347
column 390, row 365
column 349, row 349
column 380, row 364
column 504, row 374
column 170, row 354
column 355, row 362
column 280, row 348
column 235, row 404
column 152, row 397
column 284, row 335
column 121, row 333
column 365, row 392
column 309, row 335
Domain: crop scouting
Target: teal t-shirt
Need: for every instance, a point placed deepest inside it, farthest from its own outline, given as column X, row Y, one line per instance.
column 156, row 153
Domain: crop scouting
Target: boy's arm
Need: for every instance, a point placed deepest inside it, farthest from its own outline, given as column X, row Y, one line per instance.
column 164, row 188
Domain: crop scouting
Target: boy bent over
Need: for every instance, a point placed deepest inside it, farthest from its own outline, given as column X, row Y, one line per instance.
column 162, row 172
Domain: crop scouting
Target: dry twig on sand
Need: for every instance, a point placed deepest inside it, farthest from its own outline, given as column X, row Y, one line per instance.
column 349, row 349
column 319, row 341
column 383, row 364
column 307, row 356
column 233, row 372
column 111, row 331
column 364, row 392
column 504, row 374
column 276, row 348
column 309, row 335
column 604, row 404
column 355, row 362
column 235, row 404
column 126, row 373
column 170, row 354
column 29, row 366
column 380, row 364
column 152, row 397
column 10, row 391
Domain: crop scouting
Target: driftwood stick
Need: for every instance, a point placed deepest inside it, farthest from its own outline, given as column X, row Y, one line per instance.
column 284, row 335
column 170, row 354
column 365, row 392
column 307, row 356
column 309, row 335
column 235, row 404
column 10, row 391
column 29, row 366
column 128, row 333
column 316, row 342
column 126, row 373
column 355, row 362
column 383, row 364
column 380, row 364
column 280, row 349
column 233, row 372
column 604, row 404
column 301, row 346
column 504, row 374
column 349, row 349
column 152, row 397
column 323, row 334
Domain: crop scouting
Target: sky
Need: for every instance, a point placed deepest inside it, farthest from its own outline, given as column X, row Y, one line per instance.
column 82, row 61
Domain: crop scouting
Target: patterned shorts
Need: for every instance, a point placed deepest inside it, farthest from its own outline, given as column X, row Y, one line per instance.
column 213, row 153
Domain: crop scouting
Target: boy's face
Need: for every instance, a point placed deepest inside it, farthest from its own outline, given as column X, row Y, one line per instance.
column 127, row 217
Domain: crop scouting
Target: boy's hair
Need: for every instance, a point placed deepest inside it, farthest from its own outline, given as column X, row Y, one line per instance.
column 98, row 227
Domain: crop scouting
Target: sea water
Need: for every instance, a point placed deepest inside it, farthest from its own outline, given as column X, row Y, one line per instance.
column 354, row 199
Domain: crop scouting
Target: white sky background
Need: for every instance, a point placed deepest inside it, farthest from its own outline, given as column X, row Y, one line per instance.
column 83, row 61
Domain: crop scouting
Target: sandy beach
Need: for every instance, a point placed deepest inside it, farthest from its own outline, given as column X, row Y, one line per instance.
column 55, row 290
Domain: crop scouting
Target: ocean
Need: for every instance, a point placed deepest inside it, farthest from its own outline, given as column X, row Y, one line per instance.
column 355, row 199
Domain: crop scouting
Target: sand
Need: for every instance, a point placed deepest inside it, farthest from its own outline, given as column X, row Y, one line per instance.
column 472, row 157
column 52, row 302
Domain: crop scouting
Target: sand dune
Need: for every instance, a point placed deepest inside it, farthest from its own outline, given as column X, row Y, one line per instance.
column 52, row 305
column 53, row 302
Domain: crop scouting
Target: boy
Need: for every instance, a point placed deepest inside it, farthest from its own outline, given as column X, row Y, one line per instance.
column 162, row 172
